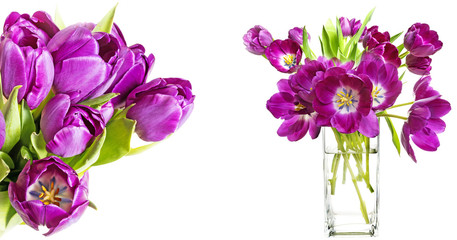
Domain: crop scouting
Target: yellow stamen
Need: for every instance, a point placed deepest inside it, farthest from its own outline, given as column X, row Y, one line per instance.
column 48, row 197
column 289, row 60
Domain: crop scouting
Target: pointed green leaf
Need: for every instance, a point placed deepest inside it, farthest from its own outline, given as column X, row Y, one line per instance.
column 331, row 31
column 92, row 205
column 356, row 37
column 326, row 44
column 86, row 159
column 58, row 19
column 4, row 170
column 8, row 216
column 117, row 143
column 141, row 149
column 99, row 101
column 339, row 33
column 322, row 46
column 39, row 145
column 122, row 113
column 12, row 121
column 27, row 123
column 402, row 75
column 37, row 111
column 306, row 48
column 395, row 139
column 393, row 38
column 7, row 159
column 400, row 48
column 106, row 23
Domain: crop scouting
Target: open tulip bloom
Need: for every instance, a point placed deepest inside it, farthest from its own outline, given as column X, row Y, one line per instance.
column 354, row 85
column 75, row 96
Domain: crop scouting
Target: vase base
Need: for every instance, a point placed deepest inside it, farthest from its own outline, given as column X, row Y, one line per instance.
column 348, row 230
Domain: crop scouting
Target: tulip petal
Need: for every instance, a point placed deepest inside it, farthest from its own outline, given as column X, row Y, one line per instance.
column 89, row 72
column 405, row 141
column 369, row 125
column 53, row 115
column 13, row 69
column 157, row 116
column 69, row 141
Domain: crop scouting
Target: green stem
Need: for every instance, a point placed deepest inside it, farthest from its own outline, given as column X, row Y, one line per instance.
column 391, row 115
column 401, row 105
column 403, row 55
column 354, row 181
column 336, row 161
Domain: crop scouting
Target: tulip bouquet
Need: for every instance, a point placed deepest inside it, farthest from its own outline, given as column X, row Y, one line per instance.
column 73, row 98
column 353, row 86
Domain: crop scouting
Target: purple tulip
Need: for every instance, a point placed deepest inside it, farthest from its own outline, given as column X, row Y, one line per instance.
column 296, row 34
column 384, row 77
column 420, row 41
column 2, row 130
column 79, row 69
column 24, row 59
column 69, row 129
column 294, row 102
column 131, row 67
column 418, row 65
column 161, row 107
column 284, row 55
column 423, row 90
column 257, row 39
column 350, row 27
column 424, row 123
column 49, row 193
column 344, row 101
column 379, row 43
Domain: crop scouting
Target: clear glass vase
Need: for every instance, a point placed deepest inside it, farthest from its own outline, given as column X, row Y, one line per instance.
column 351, row 175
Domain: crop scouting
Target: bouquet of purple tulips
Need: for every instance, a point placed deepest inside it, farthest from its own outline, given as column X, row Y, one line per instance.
column 74, row 97
column 352, row 86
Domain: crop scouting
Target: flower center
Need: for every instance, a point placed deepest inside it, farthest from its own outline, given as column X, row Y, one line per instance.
column 345, row 99
column 289, row 60
column 299, row 107
column 376, row 94
column 48, row 196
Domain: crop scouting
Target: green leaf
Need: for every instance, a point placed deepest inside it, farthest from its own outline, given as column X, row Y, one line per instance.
column 85, row 160
column 117, row 143
column 8, row 216
column 400, row 48
column 99, row 101
column 394, row 37
column 122, row 113
column 327, row 51
column 27, row 124
column 353, row 55
column 92, row 205
column 39, row 145
column 395, row 139
column 402, row 75
column 37, row 111
column 332, row 35
column 4, row 170
column 306, row 48
column 356, row 37
column 339, row 33
column 7, row 159
column 106, row 23
column 12, row 121
column 58, row 19
column 141, row 149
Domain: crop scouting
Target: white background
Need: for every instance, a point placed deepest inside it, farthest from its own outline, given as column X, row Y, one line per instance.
column 226, row 174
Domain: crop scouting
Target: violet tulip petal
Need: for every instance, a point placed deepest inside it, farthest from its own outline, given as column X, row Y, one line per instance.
column 347, row 122
column 13, row 69
column 438, row 108
column 44, row 76
column 369, row 125
column 280, row 104
column 69, row 141
column 157, row 116
column 73, row 41
column 64, row 223
column 53, row 115
column 426, row 140
column 96, row 71
column 2, row 130
column 405, row 141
